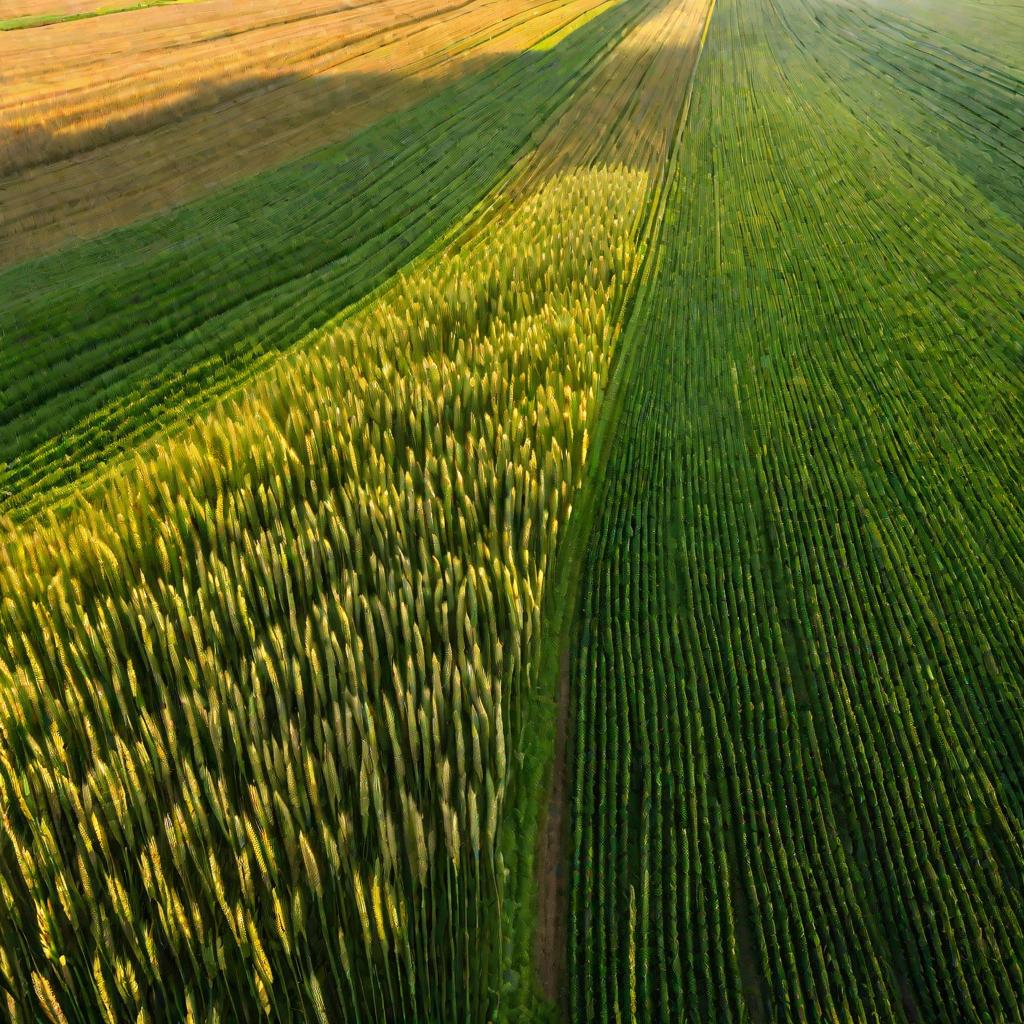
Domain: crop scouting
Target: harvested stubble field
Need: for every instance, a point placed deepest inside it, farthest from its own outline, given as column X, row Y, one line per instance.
column 510, row 511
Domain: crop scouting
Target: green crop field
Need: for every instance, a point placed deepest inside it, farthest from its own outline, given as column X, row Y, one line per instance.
column 551, row 550
column 799, row 669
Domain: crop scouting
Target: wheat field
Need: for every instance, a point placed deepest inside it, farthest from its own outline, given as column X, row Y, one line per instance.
column 510, row 511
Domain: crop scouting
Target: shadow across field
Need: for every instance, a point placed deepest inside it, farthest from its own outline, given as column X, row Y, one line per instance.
column 210, row 138
column 115, row 340
column 25, row 146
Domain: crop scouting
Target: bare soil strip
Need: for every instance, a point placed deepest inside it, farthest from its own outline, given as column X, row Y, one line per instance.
column 552, row 869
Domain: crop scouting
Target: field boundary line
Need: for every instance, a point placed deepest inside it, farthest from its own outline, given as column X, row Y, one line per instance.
column 557, row 632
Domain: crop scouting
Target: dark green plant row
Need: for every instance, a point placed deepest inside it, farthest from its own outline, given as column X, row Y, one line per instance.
column 799, row 674
column 956, row 100
column 119, row 339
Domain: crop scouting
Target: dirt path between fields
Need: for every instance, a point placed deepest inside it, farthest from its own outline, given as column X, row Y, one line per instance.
column 551, row 934
column 551, row 939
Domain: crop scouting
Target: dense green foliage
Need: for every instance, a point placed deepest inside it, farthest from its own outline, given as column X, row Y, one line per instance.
column 800, row 663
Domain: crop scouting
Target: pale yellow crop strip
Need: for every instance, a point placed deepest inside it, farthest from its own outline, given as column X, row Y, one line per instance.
column 549, row 42
column 400, row 488
column 628, row 115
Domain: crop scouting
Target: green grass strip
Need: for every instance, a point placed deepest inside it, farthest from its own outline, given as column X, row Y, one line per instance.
column 41, row 20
